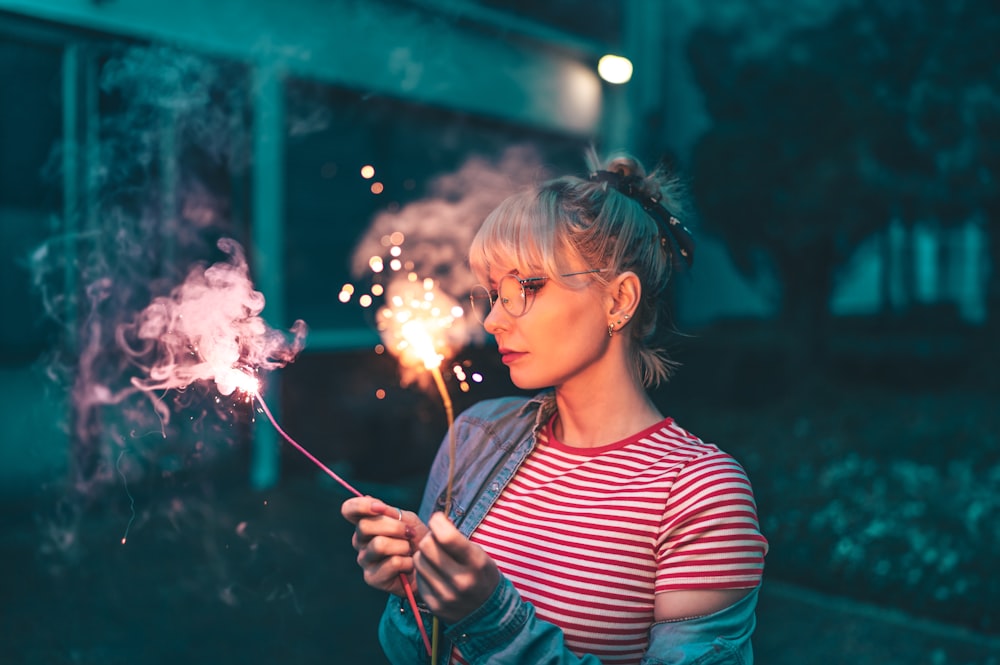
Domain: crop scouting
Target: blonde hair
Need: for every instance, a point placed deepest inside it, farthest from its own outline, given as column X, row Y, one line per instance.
column 563, row 223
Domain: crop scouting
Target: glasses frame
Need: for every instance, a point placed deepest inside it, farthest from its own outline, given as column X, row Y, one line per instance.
column 493, row 295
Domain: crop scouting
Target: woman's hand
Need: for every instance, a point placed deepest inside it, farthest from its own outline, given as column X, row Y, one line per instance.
column 383, row 537
column 454, row 575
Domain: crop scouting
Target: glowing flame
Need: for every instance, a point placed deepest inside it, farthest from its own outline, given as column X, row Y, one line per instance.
column 230, row 379
column 418, row 323
column 420, row 343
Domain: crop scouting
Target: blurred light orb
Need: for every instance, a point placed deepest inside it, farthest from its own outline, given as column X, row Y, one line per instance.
column 615, row 68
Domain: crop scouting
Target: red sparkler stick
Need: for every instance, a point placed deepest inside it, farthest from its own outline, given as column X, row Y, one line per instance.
column 402, row 578
column 302, row 450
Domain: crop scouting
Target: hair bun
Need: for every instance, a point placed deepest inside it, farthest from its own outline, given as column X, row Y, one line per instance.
column 631, row 169
column 626, row 166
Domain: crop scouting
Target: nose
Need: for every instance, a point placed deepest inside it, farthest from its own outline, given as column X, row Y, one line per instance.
column 496, row 319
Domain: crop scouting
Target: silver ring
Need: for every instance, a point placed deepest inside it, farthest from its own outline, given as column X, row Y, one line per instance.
column 400, row 518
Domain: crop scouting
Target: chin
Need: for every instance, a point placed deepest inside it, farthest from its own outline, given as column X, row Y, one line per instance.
column 526, row 383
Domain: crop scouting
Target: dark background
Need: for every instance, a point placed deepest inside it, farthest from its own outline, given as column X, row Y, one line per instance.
column 870, row 434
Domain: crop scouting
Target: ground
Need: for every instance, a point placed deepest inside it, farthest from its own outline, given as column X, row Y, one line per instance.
column 220, row 573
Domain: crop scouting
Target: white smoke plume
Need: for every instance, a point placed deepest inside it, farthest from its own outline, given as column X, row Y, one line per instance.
column 205, row 328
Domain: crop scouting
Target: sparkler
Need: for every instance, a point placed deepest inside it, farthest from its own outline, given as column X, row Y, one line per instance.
column 209, row 328
column 249, row 385
column 420, row 324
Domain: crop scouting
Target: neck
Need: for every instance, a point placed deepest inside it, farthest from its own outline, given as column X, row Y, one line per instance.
column 592, row 418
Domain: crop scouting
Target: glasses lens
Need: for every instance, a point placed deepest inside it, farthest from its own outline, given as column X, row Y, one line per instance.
column 480, row 299
column 511, row 295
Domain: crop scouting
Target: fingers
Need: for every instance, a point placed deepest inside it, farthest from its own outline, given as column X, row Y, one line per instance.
column 454, row 575
column 383, row 539
column 376, row 548
column 386, row 574
column 360, row 507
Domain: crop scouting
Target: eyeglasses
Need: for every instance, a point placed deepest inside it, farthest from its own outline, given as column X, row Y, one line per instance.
column 515, row 294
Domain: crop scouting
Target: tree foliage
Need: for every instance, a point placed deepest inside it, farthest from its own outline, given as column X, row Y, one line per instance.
column 887, row 110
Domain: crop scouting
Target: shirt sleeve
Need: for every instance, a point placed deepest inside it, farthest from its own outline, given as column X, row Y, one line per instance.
column 710, row 536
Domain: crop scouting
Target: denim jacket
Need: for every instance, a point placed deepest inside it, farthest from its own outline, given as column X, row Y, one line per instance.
column 492, row 439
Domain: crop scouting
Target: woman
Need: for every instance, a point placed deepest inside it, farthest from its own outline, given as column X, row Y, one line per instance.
column 581, row 525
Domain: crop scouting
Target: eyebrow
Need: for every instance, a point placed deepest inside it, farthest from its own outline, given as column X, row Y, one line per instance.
column 494, row 282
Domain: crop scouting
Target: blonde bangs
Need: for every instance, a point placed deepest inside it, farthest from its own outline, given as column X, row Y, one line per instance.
column 518, row 235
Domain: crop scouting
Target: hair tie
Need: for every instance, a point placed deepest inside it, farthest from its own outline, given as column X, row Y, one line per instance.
column 670, row 227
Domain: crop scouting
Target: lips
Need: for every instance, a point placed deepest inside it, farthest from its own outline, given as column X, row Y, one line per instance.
column 507, row 356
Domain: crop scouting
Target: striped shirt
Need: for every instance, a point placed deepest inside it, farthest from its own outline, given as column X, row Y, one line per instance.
column 588, row 536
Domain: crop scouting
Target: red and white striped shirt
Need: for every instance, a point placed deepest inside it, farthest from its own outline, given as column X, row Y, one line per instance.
column 590, row 535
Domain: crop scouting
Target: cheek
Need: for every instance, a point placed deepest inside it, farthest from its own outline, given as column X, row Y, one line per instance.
column 572, row 333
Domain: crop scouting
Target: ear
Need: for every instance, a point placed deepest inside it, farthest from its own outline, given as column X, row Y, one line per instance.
column 625, row 290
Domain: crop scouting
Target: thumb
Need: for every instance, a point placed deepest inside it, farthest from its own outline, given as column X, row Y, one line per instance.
column 448, row 537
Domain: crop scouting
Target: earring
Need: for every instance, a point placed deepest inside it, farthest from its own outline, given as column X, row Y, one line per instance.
column 611, row 329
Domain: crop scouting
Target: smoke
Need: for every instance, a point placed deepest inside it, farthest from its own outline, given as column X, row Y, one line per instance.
column 148, row 287
column 204, row 329
column 157, row 169
column 173, row 97
column 438, row 229
column 422, row 321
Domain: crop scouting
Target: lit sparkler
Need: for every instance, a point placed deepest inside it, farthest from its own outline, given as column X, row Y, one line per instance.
column 421, row 325
column 209, row 329
column 238, row 380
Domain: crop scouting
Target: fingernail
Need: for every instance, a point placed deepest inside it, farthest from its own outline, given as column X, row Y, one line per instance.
column 409, row 533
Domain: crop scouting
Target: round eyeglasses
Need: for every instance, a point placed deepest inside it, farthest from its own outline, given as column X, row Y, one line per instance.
column 514, row 293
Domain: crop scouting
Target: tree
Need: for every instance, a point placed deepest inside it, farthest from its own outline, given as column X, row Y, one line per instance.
column 820, row 139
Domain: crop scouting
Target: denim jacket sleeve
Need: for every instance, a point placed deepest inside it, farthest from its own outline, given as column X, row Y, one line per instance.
column 505, row 631
column 720, row 638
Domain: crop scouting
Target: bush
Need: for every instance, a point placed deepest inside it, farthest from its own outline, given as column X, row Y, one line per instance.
column 883, row 491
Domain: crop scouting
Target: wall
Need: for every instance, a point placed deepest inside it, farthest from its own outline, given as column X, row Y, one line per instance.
column 382, row 47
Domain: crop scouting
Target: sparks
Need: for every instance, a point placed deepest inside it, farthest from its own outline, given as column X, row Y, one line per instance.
column 418, row 323
column 131, row 499
column 231, row 379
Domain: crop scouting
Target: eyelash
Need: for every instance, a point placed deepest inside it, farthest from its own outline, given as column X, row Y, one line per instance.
column 534, row 285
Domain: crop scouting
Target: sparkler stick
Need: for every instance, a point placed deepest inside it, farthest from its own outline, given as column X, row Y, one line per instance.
column 402, row 578
column 312, row 458
column 446, row 398
column 419, row 325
